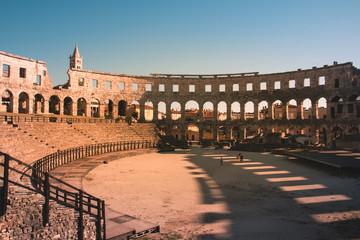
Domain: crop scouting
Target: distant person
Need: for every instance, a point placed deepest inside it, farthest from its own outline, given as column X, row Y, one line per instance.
column 221, row 161
column 241, row 157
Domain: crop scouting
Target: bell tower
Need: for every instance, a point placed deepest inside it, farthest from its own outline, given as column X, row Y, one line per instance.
column 76, row 59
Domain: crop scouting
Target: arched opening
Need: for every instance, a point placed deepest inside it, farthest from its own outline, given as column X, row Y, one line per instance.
column 175, row 108
column 222, row 111
column 68, row 106
column 321, row 108
column 263, row 110
column 221, row 133
column 23, row 103
column 81, row 107
column 108, row 109
column 353, row 107
column 95, row 108
column 249, row 110
column 208, row 132
column 161, row 110
column 7, row 99
column 235, row 111
column 208, row 111
column 39, row 105
column 122, row 105
column 249, row 132
column 192, row 133
column 235, row 133
column 336, row 132
column 278, row 109
column 149, row 111
column 176, row 132
column 191, row 111
column 54, row 105
column 291, row 109
column 306, row 109
column 135, row 109
column 336, row 107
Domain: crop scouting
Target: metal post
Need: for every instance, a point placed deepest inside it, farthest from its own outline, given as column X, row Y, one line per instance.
column 98, row 221
column 4, row 192
column 46, row 206
column 80, row 222
column 103, row 217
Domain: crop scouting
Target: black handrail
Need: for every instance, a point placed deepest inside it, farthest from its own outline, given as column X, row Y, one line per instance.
column 58, row 119
column 78, row 200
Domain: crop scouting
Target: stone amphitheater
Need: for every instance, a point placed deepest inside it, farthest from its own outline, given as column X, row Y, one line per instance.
column 96, row 117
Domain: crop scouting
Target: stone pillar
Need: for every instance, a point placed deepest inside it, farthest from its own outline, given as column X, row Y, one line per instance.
column 228, row 133
column 31, row 105
column 215, row 112
column 182, row 118
column 215, row 133
column 314, row 112
column 61, row 108
column 46, row 106
column 299, row 111
column 256, row 111
column 168, row 111
column 201, row 114
column 88, row 109
column 228, row 112
column 284, row 111
column 142, row 111
column 270, row 110
column 201, row 134
column 74, row 108
column 155, row 112
column 101, row 110
column 242, row 111
column 182, row 133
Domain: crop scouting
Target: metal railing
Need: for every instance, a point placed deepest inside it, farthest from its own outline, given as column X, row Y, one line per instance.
column 74, row 198
column 51, row 161
column 34, row 118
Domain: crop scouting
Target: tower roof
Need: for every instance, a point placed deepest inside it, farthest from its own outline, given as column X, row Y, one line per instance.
column 76, row 52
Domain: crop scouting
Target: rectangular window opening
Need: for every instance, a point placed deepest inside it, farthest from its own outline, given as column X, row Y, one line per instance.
column 94, row 83
column 121, row 86
column 277, row 85
column 175, row 88
column 38, row 79
column 321, row 80
column 208, row 88
column 161, row 88
column 263, row 86
column 148, row 87
column 135, row 86
column 108, row 85
column 292, row 84
column 191, row 88
column 249, row 87
column 6, row 70
column 81, row 82
column 222, row 88
column 307, row 82
column 236, row 87
column 22, row 73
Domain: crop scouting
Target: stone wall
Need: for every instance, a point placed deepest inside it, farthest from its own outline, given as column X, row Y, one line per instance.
column 23, row 219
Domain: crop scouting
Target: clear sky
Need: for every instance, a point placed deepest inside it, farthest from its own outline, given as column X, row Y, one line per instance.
column 182, row 36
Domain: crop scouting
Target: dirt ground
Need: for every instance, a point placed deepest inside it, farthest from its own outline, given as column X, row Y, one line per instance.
column 192, row 196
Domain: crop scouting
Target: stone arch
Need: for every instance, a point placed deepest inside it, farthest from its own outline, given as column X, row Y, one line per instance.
column 108, row 108
column 291, row 109
column 249, row 110
column 176, row 132
column 23, row 102
column 336, row 107
column 235, row 133
column 263, row 109
column 161, row 110
column 221, row 133
column 68, row 106
column 278, row 109
column 122, row 107
column 39, row 104
column 7, row 99
column 149, row 111
column 95, row 108
column 353, row 106
column 222, row 111
column 306, row 109
column 208, row 132
column 81, row 107
column 192, row 111
column 336, row 132
column 192, row 132
column 175, row 109
column 249, row 132
column 54, row 105
column 321, row 108
column 135, row 109
column 208, row 111
column 235, row 111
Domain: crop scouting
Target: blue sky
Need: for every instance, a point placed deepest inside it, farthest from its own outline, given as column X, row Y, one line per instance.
column 168, row 36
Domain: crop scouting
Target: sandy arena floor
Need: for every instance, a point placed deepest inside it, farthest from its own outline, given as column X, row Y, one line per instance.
column 192, row 196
